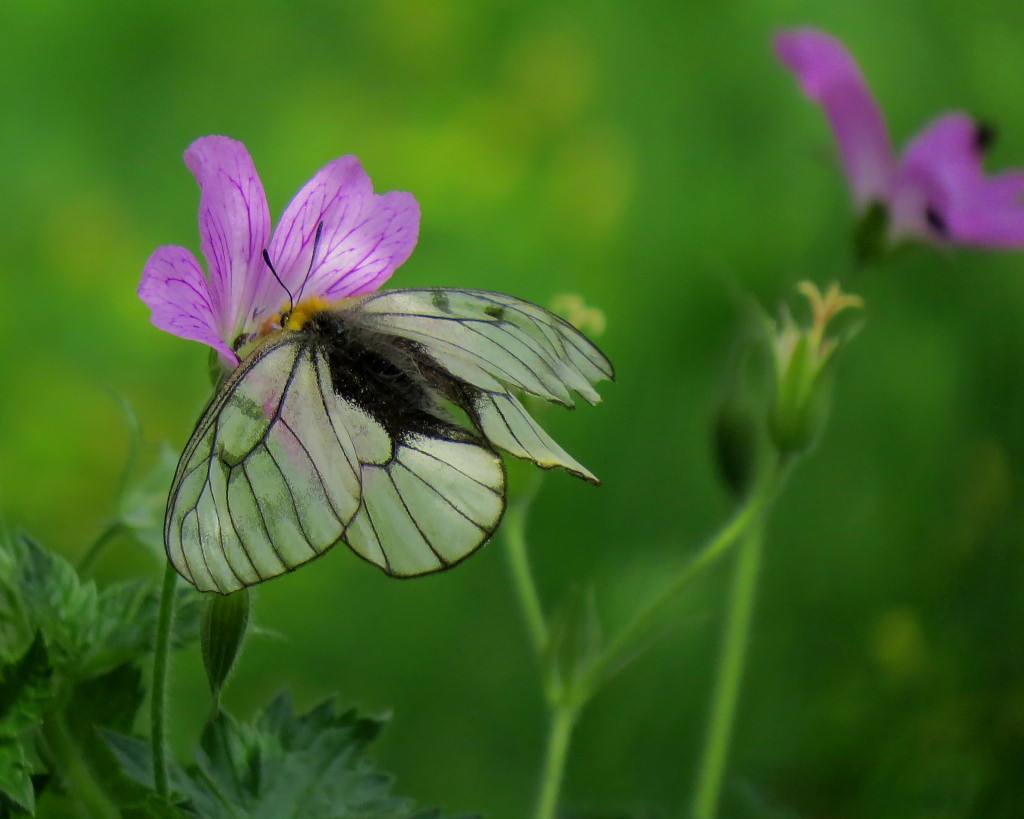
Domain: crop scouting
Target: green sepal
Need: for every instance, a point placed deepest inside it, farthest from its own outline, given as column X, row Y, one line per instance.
column 224, row 620
column 871, row 235
column 215, row 369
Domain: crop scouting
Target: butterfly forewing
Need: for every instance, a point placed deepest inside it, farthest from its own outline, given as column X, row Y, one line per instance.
column 506, row 423
column 486, row 337
column 270, row 478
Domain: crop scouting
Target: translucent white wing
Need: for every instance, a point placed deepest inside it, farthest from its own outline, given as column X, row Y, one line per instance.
column 270, row 478
column 493, row 341
column 280, row 468
column 506, row 423
column 429, row 504
column 489, row 339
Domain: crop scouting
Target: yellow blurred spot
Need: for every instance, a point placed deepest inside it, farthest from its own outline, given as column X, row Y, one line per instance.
column 552, row 70
column 898, row 643
column 591, row 184
column 589, row 320
column 426, row 37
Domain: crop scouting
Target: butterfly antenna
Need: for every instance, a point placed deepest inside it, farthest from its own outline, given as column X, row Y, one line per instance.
column 291, row 301
column 312, row 258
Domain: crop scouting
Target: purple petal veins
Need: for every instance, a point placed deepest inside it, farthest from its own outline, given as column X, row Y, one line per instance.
column 938, row 189
column 365, row 237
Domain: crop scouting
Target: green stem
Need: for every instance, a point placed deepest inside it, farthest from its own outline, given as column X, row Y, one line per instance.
column 66, row 758
column 563, row 720
column 760, row 498
column 514, row 526
column 159, row 693
column 113, row 530
column 735, row 638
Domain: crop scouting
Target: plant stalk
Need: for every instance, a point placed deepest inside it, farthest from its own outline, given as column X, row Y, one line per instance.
column 735, row 638
column 563, row 720
column 158, row 723
column 522, row 575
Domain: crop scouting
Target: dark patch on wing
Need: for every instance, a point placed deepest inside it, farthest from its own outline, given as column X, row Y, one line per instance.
column 391, row 378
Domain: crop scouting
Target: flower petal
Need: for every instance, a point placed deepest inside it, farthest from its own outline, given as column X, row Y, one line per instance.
column 377, row 246
column 830, row 76
column 234, row 223
column 941, row 190
column 175, row 289
column 364, row 239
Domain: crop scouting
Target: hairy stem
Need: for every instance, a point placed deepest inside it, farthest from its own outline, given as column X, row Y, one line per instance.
column 563, row 720
column 735, row 638
column 159, row 692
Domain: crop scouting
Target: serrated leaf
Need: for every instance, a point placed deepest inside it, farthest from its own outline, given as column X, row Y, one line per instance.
column 280, row 766
column 55, row 602
column 135, row 758
column 224, row 620
column 15, row 776
column 26, row 690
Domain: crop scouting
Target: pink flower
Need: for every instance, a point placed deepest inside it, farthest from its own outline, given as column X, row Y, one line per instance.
column 364, row 238
column 937, row 190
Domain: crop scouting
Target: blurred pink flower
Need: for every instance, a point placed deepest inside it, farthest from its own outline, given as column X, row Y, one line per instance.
column 364, row 238
column 937, row 190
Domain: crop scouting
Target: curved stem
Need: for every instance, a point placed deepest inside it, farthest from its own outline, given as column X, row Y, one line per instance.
column 113, row 530
column 159, row 692
column 563, row 720
column 762, row 496
column 522, row 575
column 730, row 673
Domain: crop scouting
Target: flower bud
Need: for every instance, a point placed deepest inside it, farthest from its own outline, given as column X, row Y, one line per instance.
column 571, row 307
column 803, row 358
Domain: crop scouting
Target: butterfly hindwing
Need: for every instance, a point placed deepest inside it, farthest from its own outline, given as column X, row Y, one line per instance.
column 430, row 506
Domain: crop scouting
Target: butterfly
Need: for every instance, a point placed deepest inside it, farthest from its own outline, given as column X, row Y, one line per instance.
column 374, row 422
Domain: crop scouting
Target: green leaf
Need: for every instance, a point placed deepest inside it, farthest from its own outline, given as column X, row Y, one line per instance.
column 282, row 765
column 224, row 621
column 15, row 777
column 135, row 758
column 26, row 690
column 125, row 625
column 143, row 504
column 56, row 603
column 111, row 701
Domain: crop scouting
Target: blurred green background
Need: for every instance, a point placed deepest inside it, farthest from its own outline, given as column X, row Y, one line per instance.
column 654, row 157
